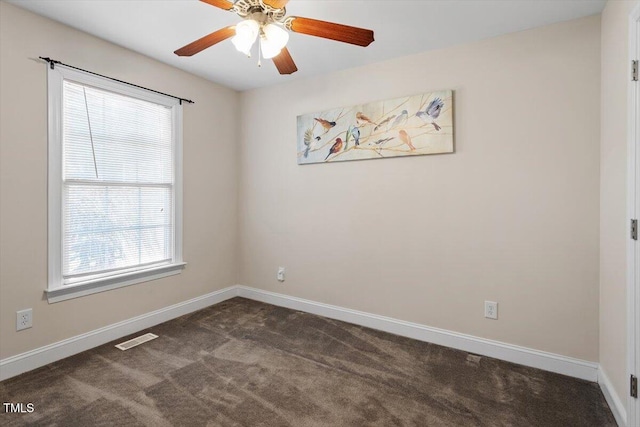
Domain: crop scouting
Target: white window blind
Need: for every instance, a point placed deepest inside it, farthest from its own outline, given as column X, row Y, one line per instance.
column 117, row 182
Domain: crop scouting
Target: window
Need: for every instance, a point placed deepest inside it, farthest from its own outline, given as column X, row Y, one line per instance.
column 114, row 184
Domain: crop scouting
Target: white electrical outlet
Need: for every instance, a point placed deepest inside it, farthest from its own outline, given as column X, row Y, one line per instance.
column 280, row 275
column 490, row 310
column 24, row 319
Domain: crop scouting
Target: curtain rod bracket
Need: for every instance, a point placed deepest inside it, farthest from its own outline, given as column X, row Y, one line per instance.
column 50, row 61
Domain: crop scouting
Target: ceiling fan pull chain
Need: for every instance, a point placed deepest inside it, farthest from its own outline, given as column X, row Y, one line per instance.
column 259, row 52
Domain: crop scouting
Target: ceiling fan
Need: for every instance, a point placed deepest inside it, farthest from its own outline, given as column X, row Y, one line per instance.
column 263, row 20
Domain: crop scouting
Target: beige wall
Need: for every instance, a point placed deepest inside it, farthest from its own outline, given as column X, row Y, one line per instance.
column 210, row 182
column 511, row 217
column 613, row 187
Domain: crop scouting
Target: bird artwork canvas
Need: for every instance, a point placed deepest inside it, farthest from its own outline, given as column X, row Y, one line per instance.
column 410, row 126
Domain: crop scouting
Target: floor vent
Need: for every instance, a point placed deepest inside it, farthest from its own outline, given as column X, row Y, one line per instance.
column 136, row 341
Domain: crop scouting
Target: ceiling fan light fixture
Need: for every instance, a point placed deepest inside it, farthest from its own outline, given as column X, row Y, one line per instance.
column 246, row 35
column 268, row 49
column 276, row 35
column 272, row 40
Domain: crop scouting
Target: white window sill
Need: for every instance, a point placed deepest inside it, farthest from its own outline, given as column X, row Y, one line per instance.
column 113, row 282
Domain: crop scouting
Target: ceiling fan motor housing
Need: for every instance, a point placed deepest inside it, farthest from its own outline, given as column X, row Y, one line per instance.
column 249, row 8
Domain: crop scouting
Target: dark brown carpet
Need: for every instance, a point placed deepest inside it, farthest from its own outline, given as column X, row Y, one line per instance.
column 244, row 363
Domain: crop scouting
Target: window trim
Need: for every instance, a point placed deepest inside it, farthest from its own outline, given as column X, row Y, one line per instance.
column 56, row 291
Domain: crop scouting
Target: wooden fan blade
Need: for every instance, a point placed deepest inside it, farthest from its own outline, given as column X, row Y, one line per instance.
column 276, row 4
column 330, row 30
column 284, row 62
column 206, row 41
column 222, row 4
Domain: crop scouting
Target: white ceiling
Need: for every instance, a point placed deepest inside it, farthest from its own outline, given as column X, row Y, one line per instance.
column 158, row 27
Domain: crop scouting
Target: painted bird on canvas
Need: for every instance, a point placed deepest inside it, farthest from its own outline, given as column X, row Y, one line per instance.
column 336, row 147
column 363, row 120
column 401, row 119
column 309, row 142
column 354, row 131
column 432, row 113
column 404, row 136
column 326, row 124
column 384, row 122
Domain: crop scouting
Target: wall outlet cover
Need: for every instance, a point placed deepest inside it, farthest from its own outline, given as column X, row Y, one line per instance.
column 491, row 310
column 24, row 319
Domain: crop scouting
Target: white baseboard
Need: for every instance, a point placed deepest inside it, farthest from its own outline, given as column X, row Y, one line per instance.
column 512, row 353
column 612, row 398
column 33, row 359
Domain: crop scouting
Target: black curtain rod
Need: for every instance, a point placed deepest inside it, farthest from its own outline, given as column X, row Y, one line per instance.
column 52, row 63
